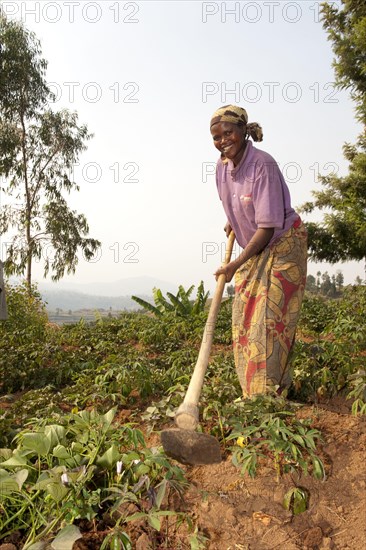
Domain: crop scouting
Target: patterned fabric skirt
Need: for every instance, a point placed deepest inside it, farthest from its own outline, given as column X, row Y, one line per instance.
column 269, row 289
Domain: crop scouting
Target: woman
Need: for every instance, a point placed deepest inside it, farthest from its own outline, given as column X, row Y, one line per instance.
column 270, row 273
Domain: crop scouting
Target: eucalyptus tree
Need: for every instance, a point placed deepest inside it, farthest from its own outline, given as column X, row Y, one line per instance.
column 38, row 149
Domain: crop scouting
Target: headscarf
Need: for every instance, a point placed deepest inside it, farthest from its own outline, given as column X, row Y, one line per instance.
column 237, row 115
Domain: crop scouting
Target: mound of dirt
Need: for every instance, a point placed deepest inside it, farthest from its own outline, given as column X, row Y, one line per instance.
column 236, row 512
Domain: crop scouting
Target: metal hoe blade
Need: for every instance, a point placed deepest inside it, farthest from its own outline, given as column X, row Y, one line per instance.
column 190, row 447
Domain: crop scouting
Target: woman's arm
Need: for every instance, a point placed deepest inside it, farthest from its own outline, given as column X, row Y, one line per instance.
column 257, row 243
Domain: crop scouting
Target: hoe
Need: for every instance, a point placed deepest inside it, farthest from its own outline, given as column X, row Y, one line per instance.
column 183, row 443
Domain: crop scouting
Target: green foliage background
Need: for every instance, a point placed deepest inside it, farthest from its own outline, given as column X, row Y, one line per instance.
column 341, row 235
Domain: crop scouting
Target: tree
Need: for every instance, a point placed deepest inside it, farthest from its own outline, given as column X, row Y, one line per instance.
column 339, row 279
column 230, row 290
column 326, row 286
column 341, row 236
column 333, row 290
column 38, row 149
column 311, row 284
column 318, row 275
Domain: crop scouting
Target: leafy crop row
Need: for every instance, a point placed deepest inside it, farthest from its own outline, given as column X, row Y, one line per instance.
column 68, row 459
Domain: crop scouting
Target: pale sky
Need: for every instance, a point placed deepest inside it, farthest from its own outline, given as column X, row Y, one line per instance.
column 146, row 77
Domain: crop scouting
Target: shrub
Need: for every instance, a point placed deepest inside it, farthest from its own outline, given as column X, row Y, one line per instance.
column 316, row 313
column 22, row 337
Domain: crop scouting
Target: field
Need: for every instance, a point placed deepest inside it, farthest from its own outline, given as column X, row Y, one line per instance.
column 82, row 405
column 72, row 317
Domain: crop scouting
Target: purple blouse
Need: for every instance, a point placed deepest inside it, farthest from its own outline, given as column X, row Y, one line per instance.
column 254, row 194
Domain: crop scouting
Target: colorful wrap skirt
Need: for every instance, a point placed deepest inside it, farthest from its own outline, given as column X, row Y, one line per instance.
column 269, row 289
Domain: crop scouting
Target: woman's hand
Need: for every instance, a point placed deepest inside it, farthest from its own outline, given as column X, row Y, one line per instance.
column 228, row 270
column 227, row 229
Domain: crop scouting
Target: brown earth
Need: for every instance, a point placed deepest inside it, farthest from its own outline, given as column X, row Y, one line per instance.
column 236, row 512
column 243, row 513
column 240, row 513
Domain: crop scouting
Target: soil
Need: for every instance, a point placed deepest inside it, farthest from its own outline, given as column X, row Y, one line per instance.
column 240, row 513
column 243, row 513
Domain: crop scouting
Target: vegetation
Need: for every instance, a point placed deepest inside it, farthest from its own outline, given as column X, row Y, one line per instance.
column 69, row 459
column 341, row 235
column 180, row 303
column 68, row 455
column 38, row 148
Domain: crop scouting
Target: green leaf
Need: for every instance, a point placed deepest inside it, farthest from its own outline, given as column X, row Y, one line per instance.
column 300, row 502
column 109, row 458
column 50, row 481
column 117, row 541
column 178, row 306
column 66, row 538
column 18, row 459
column 318, row 465
column 55, row 434
column 57, row 491
column 128, row 458
column 8, row 484
column 5, row 453
column 142, row 469
column 83, row 422
column 20, row 476
column 77, row 447
column 295, row 500
column 108, row 417
column 61, row 452
column 194, row 542
column 54, row 475
column 161, row 492
column 295, row 451
column 162, row 304
column 126, row 541
column 160, row 513
column 287, row 499
column 43, row 480
column 154, row 521
column 298, row 439
column 133, row 517
column 147, row 306
column 37, row 442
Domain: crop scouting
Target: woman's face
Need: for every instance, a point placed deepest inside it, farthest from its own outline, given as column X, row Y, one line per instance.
column 229, row 139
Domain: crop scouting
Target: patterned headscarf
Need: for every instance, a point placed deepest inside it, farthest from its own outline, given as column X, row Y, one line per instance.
column 237, row 115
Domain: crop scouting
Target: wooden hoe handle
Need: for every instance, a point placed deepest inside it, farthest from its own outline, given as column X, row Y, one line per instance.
column 187, row 414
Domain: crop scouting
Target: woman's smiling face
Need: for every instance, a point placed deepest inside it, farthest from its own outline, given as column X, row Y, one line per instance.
column 229, row 139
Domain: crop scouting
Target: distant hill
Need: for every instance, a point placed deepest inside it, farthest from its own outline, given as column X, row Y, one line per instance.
column 65, row 300
column 124, row 287
column 98, row 295
column 116, row 295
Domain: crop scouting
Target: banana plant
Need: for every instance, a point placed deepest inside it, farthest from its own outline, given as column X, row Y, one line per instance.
column 180, row 304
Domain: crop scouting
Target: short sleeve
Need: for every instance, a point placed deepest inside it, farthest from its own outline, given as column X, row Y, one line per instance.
column 268, row 199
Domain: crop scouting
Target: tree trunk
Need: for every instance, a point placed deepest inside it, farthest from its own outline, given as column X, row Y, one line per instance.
column 28, row 214
column 29, row 270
